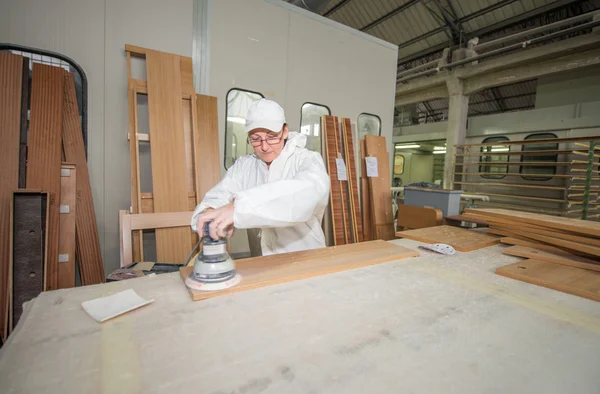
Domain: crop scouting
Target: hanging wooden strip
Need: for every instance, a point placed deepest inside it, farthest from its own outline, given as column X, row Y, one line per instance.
column 344, row 187
column 66, row 227
column 366, row 210
column 29, row 233
column 44, row 152
column 357, row 227
column 329, row 127
column 11, row 76
column 169, row 181
column 87, row 241
column 381, row 195
column 206, row 145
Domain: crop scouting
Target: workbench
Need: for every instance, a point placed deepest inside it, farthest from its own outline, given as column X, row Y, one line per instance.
column 430, row 324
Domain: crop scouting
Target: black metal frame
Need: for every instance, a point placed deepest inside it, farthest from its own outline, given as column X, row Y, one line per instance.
column 370, row 114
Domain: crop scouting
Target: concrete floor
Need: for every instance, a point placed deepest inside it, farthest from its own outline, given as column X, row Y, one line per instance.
column 432, row 324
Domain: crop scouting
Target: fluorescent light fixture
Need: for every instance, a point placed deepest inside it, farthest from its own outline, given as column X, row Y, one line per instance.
column 410, row 146
column 439, row 152
column 439, row 148
column 503, row 149
column 236, row 119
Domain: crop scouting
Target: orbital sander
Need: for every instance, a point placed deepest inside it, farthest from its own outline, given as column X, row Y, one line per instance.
column 213, row 267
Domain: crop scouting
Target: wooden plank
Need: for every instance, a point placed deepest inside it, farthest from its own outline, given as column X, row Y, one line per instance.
column 44, row 152
column 346, row 214
column 269, row 270
column 206, row 145
column 410, row 217
column 134, row 157
column 526, row 175
column 512, row 185
column 460, row 239
column 556, row 258
column 569, row 245
column 518, row 153
column 66, row 227
column 576, row 226
column 536, row 229
column 25, row 89
column 380, row 188
column 519, row 163
column 520, row 197
column 29, row 236
column 348, row 143
column 571, row 280
column 366, row 211
column 530, row 244
column 529, row 142
column 169, row 182
column 328, row 125
column 11, row 77
column 88, row 254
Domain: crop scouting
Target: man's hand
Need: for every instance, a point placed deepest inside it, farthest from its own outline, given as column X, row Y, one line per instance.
column 222, row 222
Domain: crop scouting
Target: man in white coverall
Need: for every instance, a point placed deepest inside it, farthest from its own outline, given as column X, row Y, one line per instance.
column 281, row 189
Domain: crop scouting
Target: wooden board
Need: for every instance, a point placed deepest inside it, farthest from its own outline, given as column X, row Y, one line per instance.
column 44, row 152
column 576, row 226
column 530, row 244
column 365, row 194
column 25, row 90
column 66, row 227
column 11, row 71
column 380, row 188
column 556, row 258
column 568, row 245
column 576, row 281
column 269, row 270
column 329, row 127
column 411, row 218
column 206, row 145
column 169, row 182
column 29, row 235
column 460, row 239
column 88, row 254
column 352, row 179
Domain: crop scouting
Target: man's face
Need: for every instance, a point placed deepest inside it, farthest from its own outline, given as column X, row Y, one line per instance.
column 267, row 145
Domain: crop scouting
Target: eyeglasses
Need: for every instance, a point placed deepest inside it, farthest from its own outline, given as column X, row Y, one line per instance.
column 271, row 140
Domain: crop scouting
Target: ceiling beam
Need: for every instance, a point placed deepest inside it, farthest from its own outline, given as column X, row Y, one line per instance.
column 393, row 12
column 498, row 98
column 336, row 7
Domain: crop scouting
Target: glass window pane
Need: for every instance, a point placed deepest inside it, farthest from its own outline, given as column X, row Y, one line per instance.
column 494, row 154
column 398, row 165
column 238, row 102
column 368, row 124
column 541, row 170
column 310, row 123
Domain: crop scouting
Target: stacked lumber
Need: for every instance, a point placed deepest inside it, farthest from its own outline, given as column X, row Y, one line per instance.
column 561, row 253
column 340, row 161
column 183, row 140
column 42, row 235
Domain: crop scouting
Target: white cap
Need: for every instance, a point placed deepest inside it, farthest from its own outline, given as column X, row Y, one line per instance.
column 265, row 114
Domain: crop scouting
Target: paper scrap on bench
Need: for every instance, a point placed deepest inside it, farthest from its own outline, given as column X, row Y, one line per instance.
column 104, row 308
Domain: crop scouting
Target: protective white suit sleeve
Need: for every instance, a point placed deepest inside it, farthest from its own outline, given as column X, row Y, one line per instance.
column 286, row 202
column 221, row 194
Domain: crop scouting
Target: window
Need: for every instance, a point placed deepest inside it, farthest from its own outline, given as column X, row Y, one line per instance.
column 491, row 171
column 310, row 123
column 544, row 158
column 368, row 124
column 238, row 102
column 58, row 60
column 398, row 164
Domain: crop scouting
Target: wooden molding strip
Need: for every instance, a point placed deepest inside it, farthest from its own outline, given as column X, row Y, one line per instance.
column 380, row 188
column 357, row 225
column 366, row 211
column 66, row 227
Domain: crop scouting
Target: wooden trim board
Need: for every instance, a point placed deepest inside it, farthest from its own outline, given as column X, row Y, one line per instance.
column 206, row 145
column 530, row 244
column 269, row 270
column 352, row 180
column 571, row 280
column 380, row 188
column 365, row 194
column 459, row 238
column 556, row 258
column 11, row 78
column 329, row 128
column 576, row 226
column 44, row 152
column 66, row 236
column 88, row 254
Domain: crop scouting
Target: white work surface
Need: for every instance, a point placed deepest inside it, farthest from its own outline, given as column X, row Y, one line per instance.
column 432, row 324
